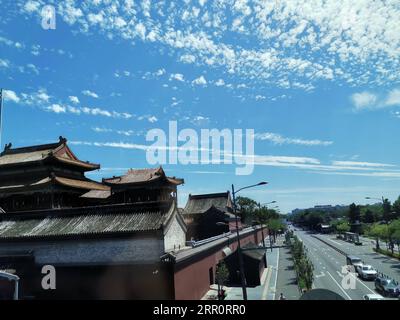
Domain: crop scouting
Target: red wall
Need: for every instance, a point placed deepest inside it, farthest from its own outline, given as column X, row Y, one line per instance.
column 192, row 282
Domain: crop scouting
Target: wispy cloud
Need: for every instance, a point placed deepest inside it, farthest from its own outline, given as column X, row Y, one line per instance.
column 371, row 101
column 279, row 140
column 90, row 94
column 10, row 95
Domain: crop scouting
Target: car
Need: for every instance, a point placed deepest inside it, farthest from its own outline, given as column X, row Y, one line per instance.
column 388, row 287
column 366, row 272
column 373, row 297
column 354, row 261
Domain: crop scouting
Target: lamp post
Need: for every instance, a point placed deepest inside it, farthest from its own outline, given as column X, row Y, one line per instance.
column 383, row 206
column 240, row 257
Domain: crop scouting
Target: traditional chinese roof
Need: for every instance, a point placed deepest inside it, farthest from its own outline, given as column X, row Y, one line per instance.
column 85, row 184
column 140, row 176
column 86, row 221
column 57, row 152
column 198, row 204
column 97, row 194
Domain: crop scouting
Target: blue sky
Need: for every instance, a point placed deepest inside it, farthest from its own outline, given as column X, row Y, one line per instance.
column 317, row 81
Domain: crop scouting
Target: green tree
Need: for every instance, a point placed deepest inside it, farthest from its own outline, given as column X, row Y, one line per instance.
column 246, row 208
column 393, row 231
column 379, row 231
column 386, row 210
column 342, row 227
column 221, row 275
column 396, row 208
column 368, row 216
column 354, row 213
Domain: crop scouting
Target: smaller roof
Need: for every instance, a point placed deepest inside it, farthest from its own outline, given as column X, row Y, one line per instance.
column 198, row 204
column 255, row 251
column 139, row 176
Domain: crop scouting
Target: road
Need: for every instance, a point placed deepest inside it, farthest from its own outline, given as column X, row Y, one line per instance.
column 382, row 263
column 328, row 264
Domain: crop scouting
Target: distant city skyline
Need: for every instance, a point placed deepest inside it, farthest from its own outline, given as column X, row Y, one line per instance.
column 318, row 85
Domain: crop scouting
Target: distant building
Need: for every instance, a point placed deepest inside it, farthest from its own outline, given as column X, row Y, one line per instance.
column 208, row 215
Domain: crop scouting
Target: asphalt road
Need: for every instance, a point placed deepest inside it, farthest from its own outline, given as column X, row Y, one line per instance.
column 382, row 263
column 328, row 264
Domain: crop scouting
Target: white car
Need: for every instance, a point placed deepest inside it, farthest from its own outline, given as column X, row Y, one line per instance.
column 373, row 297
column 366, row 272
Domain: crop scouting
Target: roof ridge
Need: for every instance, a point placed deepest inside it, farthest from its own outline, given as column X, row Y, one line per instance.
column 9, row 150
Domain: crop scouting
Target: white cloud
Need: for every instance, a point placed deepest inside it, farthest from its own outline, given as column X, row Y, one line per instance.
column 33, row 68
column 95, row 18
column 177, row 77
column 361, row 164
column 371, row 101
column 31, row 6
column 364, row 100
column 10, row 95
column 56, row 108
column 200, row 81
column 393, row 98
column 220, row 83
column 152, row 119
column 279, row 140
column 4, row 63
column 73, row 99
column 187, row 58
column 260, row 97
column 160, row 72
column 90, row 93
column 292, row 43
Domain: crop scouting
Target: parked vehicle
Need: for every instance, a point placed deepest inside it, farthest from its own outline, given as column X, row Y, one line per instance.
column 388, row 287
column 366, row 272
column 373, row 297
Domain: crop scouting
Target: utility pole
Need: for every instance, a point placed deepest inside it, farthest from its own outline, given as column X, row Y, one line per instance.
column 241, row 267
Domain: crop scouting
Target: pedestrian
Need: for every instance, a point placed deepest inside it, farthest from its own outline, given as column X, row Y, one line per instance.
column 282, row 297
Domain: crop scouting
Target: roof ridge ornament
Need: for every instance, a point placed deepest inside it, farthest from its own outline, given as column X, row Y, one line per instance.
column 62, row 140
column 7, row 146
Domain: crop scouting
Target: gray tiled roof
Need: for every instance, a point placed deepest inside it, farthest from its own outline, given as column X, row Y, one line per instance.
column 198, row 204
column 88, row 222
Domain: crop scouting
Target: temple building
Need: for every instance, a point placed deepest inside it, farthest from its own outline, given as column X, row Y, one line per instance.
column 44, row 177
column 105, row 239
column 140, row 185
column 208, row 215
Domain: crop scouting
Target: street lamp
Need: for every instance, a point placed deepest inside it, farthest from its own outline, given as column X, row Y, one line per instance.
column 380, row 199
column 240, row 257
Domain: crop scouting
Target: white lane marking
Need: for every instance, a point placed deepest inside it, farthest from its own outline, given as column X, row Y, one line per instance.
column 363, row 284
column 339, row 286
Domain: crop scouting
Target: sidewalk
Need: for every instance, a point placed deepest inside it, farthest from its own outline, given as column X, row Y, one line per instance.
column 287, row 277
column 265, row 291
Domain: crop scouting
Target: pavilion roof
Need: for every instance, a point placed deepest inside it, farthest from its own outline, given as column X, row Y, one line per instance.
column 59, row 152
column 140, row 176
